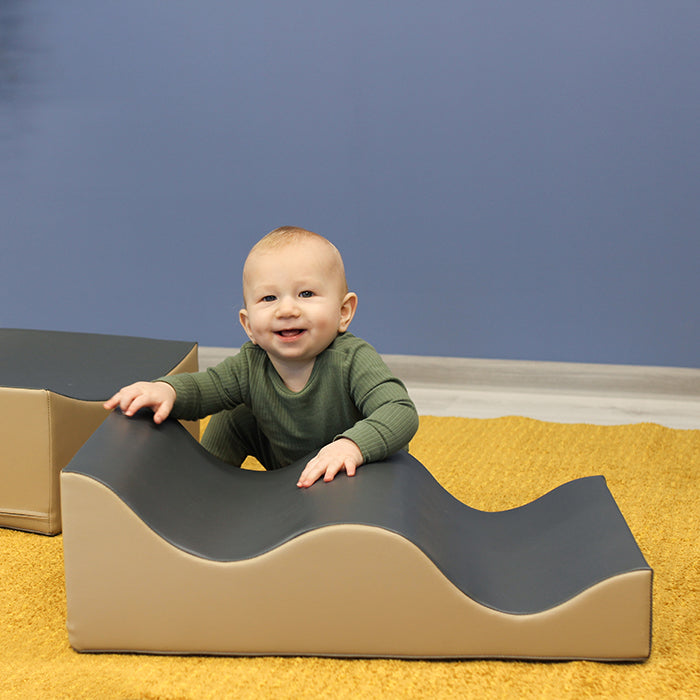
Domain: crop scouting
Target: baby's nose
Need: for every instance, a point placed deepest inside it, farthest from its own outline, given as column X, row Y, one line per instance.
column 288, row 307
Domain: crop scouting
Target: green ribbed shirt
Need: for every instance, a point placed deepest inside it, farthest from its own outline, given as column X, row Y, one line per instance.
column 351, row 393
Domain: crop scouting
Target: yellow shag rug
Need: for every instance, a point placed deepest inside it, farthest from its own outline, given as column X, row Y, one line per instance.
column 653, row 473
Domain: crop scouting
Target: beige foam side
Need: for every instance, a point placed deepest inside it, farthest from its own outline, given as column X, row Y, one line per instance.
column 190, row 363
column 25, row 474
column 71, row 423
column 40, row 432
column 345, row 590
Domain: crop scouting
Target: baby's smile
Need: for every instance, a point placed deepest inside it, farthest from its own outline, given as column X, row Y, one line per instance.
column 290, row 332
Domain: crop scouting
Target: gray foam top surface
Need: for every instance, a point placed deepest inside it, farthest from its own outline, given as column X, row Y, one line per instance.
column 84, row 366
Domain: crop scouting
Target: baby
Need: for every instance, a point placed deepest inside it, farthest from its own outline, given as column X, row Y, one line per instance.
column 302, row 383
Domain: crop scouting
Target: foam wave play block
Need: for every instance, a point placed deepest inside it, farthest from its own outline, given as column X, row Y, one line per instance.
column 170, row 551
column 52, row 387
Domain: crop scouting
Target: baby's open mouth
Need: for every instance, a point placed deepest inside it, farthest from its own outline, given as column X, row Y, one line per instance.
column 290, row 332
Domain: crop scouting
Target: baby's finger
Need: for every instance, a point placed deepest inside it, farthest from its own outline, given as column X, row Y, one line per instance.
column 134, row 403
column 350, row 467
column 111, row 402
column 129, row 405
column 333, row 469
column 310, row 474
column 162, row 413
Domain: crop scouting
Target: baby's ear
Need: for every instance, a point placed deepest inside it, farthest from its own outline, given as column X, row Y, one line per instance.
column 347, row 310
column 245, row 322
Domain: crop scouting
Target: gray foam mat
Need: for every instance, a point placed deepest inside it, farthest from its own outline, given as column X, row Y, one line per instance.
column 520, row 561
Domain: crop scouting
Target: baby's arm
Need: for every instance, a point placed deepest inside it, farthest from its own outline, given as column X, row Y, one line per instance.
column 158, row 396
column 389, row 420
column 330, row 460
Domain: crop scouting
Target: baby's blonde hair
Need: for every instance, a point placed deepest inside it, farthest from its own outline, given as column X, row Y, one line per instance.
column 290, row 235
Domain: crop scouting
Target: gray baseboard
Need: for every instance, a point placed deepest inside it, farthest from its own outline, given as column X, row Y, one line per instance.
column 526, row 376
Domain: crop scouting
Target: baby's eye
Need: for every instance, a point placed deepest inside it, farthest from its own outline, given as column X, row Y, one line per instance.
column 269, row 297
column 306, row 294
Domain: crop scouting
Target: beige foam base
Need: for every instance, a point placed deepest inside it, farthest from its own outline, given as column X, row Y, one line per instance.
column 344, row 590
column 40, row 432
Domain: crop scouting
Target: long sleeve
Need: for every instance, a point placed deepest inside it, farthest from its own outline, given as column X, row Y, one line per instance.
column 390, row 418
column 218, row 388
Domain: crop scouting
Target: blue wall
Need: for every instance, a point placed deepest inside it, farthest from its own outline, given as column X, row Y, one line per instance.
column 505, row 179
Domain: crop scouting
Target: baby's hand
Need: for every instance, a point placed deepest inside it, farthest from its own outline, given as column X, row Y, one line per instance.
column 331, row 459
column 158, row 396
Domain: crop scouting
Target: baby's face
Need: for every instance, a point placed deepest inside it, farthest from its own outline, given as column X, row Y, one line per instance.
column 295, row 300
